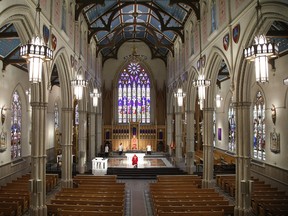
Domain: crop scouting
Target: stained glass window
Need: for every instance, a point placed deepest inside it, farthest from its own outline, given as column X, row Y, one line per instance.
column 214, row 128
column 56, row 116
column 232, row 128
column 213, row 16
column 63, row 21
column 259, row 127
column 134, row 95
column 16, row 123
column 76, row 114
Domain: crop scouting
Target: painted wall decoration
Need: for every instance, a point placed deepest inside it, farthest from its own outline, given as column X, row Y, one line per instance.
column 275, row 141
column 236, row 33
column 222, row 12
column 54, row 42
column 226, row 40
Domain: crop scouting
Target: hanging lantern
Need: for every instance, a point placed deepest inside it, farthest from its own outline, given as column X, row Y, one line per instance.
column 95, row 95
column 36, row 53
column 201, row 84
column 218, row 100
column 79, row 84
column 180, row 96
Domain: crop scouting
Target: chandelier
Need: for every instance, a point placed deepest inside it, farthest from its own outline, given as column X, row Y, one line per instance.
column 134, row 57
column 36, row 52
column 95, row 95
column 180, row 96
column 201, row 84
column 79, row 84
column 259, row 52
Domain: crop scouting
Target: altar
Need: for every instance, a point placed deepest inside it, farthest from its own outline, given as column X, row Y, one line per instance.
column 140, row 159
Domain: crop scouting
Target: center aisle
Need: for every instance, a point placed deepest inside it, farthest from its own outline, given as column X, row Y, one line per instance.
column 138, row 203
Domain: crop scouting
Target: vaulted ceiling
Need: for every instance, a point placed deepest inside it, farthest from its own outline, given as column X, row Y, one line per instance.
column 155, row 22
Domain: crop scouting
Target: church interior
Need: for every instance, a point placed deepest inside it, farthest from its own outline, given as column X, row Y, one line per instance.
column 195, row 89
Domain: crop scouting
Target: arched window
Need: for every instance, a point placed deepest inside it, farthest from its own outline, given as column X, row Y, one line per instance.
column 192, row 40
column 63, row 21
column 134, row 94
column 259, row 127
column 232, row 128
column 56, row 116
column 16, row 123
column 213, row 16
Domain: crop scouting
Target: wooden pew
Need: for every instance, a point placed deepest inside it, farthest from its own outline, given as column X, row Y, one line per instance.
column 7, row 210
column 14, row 205
column 55, row 209
column 193, row 213
column 88, row 202
column 88, row 213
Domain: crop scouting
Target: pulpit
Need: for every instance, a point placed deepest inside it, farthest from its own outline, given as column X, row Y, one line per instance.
column 99, row 166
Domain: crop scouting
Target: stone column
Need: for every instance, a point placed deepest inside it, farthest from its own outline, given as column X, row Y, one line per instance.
column 178, row 136
column 190, row 143
column 92, row 137
column 67, row 160
column 38, row 159
column 82, row 141
column 99, row 129
column 169, row 137
column 243, row 146
column 208, row 158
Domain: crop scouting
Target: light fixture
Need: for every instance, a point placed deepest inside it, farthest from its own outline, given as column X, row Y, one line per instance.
column 218, row 100
column 79, row 84
column 180, row 96
column 260, row 52
column 36, row 52
column 134, row 57
column 95, row 95
column 201, row 84
column 28, row 93
column 285, row 81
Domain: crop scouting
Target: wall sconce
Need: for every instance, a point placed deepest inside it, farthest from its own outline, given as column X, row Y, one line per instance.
column 180, row 96
column 218, row 100
column 95, row 95
column 79, row 84
column 260, row 52
column 36, row 52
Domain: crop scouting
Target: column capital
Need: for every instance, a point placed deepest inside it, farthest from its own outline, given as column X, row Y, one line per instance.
column 35, row 104
column 67, row 109
column 242, row 104
column 208, row 109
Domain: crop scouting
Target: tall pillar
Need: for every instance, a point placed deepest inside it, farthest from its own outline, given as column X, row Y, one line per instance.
column 92, row 133
column 82, row 155
column 243, row 146
column 38, row 159
column 190, row 142
column 208, row 159
column 169, row 127
column 99, row 129
column 67, row 160
column 178, row 136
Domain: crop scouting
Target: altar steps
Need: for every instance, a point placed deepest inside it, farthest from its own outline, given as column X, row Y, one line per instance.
column 143, row 173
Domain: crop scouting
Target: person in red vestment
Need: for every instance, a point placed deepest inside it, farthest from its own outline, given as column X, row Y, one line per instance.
column 135, row 161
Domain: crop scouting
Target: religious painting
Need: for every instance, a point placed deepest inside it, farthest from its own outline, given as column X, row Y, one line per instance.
column 275, row 141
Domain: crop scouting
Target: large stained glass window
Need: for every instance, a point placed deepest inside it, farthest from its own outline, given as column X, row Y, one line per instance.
column 134, row 95
column 56, row 116
column 16, row 123
column 213, row 16
column 259, row 127
column 232, row 128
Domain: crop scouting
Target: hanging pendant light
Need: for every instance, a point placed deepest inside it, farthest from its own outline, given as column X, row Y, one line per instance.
column 201, row 84
column 95, row 95
column 180, row 96
column 218, row 100
column 79, row 84
column 36, row 52
column 260, row 52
